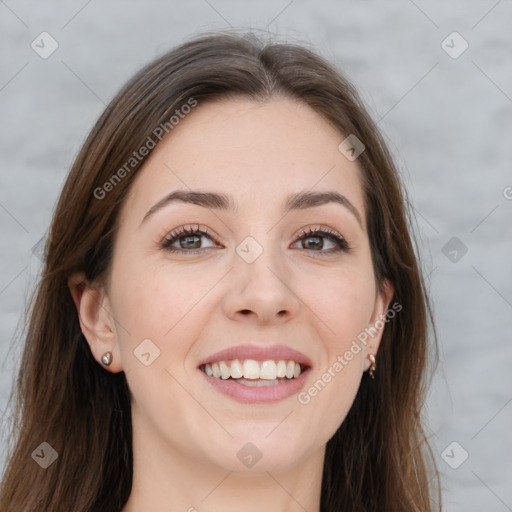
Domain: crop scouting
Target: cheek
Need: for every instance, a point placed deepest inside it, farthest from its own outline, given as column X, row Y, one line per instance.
column 168, row 308
column 149, row 298
column 343, row 305
column 165, row 305
column 343, row 300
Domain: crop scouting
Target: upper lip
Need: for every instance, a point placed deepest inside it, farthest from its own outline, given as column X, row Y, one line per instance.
column 258, row 353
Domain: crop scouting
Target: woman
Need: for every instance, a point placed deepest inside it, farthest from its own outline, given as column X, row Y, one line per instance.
column 231, row 312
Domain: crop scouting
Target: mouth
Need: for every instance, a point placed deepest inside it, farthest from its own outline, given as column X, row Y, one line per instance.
column 251, row 374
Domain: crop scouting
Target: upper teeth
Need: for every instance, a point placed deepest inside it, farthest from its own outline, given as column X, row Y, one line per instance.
column 251, row 369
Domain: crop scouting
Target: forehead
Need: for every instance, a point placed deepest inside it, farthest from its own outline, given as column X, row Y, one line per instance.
column 258, row 152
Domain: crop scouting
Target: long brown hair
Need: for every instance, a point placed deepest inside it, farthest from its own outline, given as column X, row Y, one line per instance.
column 378, row 460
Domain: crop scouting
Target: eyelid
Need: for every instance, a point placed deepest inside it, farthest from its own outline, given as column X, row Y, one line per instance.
column 325, row 232
column 308, row 231
column 185, row 230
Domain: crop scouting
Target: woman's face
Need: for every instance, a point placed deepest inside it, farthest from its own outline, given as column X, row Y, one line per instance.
column 242, row 250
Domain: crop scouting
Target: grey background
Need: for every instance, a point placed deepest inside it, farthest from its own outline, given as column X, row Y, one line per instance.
column 447, row 120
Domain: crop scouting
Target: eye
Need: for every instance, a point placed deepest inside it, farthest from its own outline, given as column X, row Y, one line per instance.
column 187, row 239
column 314, row 240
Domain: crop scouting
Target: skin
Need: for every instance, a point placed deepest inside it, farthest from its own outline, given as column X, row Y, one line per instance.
column 187, row 434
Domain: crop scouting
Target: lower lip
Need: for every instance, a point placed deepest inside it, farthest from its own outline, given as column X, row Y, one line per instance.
column 254, row 394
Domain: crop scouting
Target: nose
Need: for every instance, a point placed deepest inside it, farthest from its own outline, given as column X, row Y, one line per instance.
column 261, row 292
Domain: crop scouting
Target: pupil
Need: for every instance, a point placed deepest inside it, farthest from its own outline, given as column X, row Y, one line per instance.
column 194, row 240
column 316, row 244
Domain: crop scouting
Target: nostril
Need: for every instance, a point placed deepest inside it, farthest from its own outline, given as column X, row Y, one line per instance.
column 245, row 311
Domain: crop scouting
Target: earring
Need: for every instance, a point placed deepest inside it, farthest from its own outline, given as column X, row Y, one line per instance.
column 106, row 358
column 373, row 365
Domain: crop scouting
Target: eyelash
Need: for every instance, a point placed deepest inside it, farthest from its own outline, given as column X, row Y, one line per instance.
column 321, row 231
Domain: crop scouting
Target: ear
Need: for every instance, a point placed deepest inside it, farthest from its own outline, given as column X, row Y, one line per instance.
column 96, row 320
column 378, row 319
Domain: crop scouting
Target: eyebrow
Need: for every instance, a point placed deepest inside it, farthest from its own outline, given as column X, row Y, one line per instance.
column 219, row 201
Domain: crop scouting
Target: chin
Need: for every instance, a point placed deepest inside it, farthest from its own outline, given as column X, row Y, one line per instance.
column 251, row 454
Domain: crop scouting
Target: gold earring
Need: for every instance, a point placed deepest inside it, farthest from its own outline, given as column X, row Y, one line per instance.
column 106, row 358
column 373, row 365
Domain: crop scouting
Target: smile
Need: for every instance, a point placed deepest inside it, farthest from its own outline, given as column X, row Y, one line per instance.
column 252, row 374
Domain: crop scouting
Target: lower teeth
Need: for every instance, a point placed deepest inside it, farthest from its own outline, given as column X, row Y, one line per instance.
column 261, row 382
